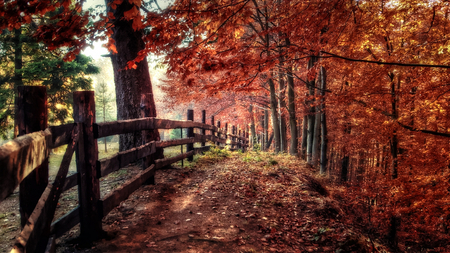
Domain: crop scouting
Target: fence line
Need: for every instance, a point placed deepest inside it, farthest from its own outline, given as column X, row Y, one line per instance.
column 20, row 157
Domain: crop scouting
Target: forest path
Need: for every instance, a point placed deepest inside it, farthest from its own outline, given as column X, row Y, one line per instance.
column 251, row 202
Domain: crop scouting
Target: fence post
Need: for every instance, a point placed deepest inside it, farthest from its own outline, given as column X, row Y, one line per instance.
column 149, row 135
column 244, row 142
column 190, row 133
column 218, row 133
column 239, row 139
column 204, row 122
column 226, row 133
column 212, row 131
column 31, row 116
column 86, row 157
column 233, row 130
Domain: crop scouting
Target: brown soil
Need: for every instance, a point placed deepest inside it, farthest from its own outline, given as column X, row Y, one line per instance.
column 234, row 205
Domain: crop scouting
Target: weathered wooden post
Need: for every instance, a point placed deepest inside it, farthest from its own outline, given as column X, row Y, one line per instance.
column 239, row 139
column 212, row 124
column 190, row 133
column 204, row 122
column 86, row 157
column 233, row 130
column 31, row 116
column 226, row 133
column 218, row 133
column 148, row 135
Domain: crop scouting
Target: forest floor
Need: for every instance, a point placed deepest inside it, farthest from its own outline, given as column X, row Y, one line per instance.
column 229, row 202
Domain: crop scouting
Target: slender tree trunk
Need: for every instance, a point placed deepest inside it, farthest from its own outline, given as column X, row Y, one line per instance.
column 346, row 158
column 304, row 136
column 281, row 105
column 316, row 139
column 273, row 110
column 311, row 115
column 104, row 120
column 323, row 122
column 130, row 84
column 394, row 139
column 266, row 129
column 252, row 127
column 292, row 117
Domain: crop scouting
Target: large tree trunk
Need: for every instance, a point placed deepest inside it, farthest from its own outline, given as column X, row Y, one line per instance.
column 131, row 83
column 273, row 109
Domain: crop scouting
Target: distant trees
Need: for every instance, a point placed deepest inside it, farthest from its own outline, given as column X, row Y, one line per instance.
column 38, row 67
column 104, row 100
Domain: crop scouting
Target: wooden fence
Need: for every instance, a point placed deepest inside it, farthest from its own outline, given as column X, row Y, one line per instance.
column 24, row 162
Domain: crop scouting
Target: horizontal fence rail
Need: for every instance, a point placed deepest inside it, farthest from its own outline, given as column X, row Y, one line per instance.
column 22, row 156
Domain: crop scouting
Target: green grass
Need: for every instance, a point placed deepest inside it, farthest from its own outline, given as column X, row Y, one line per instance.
column 57, row 155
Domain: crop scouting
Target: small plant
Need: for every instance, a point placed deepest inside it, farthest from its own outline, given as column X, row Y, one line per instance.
column 256, row 147
column 272, row 162
column 216, row 153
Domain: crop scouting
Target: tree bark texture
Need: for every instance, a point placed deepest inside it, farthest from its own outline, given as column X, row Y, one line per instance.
column 281, row 105
column 266, row 129
column 323, row 122
column 131, row 83
column 311, row 115
column 273, row 109
column 304, row 136
column 292, row 118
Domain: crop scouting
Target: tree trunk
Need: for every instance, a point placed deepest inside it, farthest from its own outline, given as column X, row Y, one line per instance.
column 273, row 109
column 131, row 83
column 104, row 120
column 281, row 105
column 252, row 127
column 394, row 139
column 292, row 117
column 304, row 136
column 266, row 129
column 311, row 115
column 323, row 122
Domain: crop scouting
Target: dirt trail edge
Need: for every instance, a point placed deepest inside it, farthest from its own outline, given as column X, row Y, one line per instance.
column 253, row 202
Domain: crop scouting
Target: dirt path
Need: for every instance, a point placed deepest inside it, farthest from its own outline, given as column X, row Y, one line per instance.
column 246, row 203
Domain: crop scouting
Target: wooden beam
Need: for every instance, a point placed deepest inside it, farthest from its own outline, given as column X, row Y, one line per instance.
column 70, row 182
column 120, row 194
column 61, row 135
column 122, row 159
column 160, row 163
column 21, row 156
column 66, row 222
column 37, row 229
column 171, row 124
column 176, row 142
column 122, row 127
column 133, row 125
column 51, row 245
